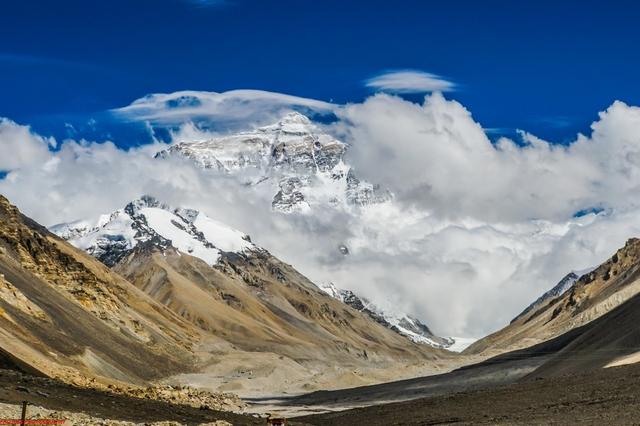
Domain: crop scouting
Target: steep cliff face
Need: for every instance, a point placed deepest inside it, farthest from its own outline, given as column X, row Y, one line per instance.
column 592, row 295
column 63, row 313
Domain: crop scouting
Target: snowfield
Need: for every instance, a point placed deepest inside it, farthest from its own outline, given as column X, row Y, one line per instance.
column 111, row 237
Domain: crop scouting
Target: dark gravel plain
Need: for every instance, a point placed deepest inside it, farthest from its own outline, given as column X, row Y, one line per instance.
column 603, row 397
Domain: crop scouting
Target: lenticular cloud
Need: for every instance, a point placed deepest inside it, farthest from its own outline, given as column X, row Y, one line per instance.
column 476, row 229
column 234, row 108
column 410, row 81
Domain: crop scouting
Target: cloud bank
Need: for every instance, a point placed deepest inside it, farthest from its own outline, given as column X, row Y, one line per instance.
column 476, row 230
column 436, row 156
column 410, row 81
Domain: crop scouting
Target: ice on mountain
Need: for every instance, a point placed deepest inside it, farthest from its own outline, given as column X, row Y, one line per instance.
column 303, row 165
column 113, row 236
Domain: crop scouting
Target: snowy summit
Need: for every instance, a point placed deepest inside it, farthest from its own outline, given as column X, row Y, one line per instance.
column 301, row 164
column 112, row 236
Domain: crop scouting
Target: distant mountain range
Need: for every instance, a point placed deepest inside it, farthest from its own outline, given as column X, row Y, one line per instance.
column 188, row 297
column 169, row 292
column 294, row 161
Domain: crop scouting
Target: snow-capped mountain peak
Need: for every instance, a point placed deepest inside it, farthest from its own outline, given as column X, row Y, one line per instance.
column 293, row 123
column 295, row 160
column 111, row 237
column 401, row 323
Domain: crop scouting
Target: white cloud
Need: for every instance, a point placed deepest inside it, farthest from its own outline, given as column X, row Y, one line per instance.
column 234, row 108
column 436, row 156
column 477, row 230
column 410, row 81
column 21, row 147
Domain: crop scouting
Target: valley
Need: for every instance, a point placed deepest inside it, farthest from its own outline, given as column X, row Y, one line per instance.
column 239, row 320
column 153, row 305
column 297, row 213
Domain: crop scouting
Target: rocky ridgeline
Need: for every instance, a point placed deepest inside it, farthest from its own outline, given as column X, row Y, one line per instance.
column 146, row 223
column 403, row 324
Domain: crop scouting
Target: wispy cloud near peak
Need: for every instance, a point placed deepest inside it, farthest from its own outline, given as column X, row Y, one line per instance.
column 410, row 81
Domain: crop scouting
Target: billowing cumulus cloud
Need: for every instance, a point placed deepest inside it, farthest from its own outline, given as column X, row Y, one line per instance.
column 436, row 156
column 410, row 81
column 21, row 147
column 476, row 231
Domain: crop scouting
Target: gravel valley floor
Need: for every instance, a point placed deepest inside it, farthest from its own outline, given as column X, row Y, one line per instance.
column 603, row 397
column 607, row 396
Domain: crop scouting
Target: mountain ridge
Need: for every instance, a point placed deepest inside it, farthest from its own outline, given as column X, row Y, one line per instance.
column 589, row 297
column 401, row 323
column 252, row 308
column 111, row 237
column 63, row 313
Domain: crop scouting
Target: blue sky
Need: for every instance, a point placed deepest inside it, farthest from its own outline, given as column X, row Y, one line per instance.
column 547, row 67
column 469, row 222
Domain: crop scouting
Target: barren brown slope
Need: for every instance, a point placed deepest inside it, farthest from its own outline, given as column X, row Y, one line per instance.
column 593, row 295
column 609, row 341
column 259, row 305
column 612, row 339
column 63, row 313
